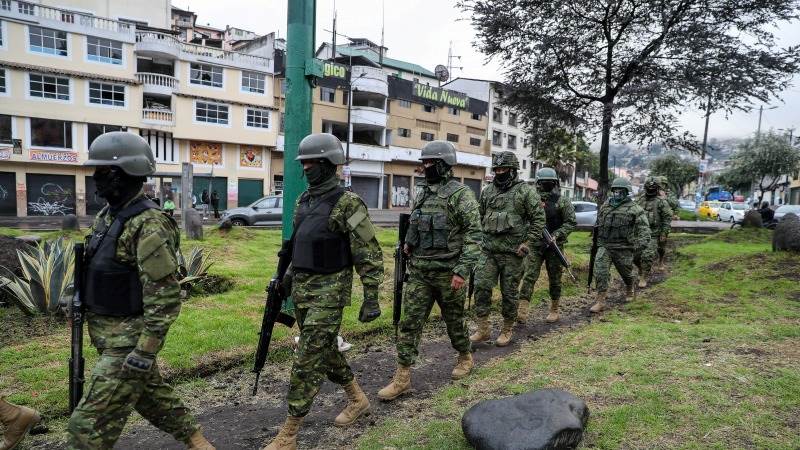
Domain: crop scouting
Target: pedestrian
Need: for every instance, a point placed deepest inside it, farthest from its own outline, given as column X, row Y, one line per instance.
column 659, row 217
column 622, row 231
column 332, row 234
column 512, row 220
column 169, row 207
column 18, row 421
column 443, row 245
column 560, row 219
column 132, row 297
column 767, row 214
column 215, row 203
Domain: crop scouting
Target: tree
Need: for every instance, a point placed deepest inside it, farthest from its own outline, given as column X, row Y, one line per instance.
column 763, row 160
column 735, row 179
column 631, row 65
column 557, row 148
column 679, row 172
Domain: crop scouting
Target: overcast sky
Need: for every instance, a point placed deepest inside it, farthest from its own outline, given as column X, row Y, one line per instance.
column 420, row 31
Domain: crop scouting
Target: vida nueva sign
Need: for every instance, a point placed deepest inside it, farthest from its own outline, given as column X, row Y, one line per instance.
column 441, row 96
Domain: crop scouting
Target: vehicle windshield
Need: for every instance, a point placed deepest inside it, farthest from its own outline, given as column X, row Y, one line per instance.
column 788, row 209
column 714, row 204
column 739, row 206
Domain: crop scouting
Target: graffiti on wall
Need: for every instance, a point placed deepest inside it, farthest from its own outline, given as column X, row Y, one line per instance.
column 52, row 200
column 400, row 196
column 205, row 153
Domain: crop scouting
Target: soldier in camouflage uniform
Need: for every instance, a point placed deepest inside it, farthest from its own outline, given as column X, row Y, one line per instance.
column 132, row 296
column 560, row 215
column 663, row 182
column 332, row 234
column 512, row 220
column 443, row 244
column 622, row 231
column 659, row 216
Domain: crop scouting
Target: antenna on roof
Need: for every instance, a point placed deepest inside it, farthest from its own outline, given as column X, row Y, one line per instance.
column 383, row 26
column 450, row 58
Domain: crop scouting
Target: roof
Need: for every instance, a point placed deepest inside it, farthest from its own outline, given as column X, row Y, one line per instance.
column 390, row 62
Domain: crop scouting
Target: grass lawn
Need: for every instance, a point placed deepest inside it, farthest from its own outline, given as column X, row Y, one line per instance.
column 710, row 358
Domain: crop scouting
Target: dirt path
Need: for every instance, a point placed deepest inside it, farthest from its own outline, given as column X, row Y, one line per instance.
column 236, row 420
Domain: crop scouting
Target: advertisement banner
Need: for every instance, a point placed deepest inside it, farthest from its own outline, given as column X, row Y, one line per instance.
column 207, row 153
column 54, row 156
column 442, row 97
column 251, row 156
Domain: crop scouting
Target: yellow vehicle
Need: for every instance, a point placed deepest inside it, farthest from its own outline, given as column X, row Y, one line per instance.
column 708, row 210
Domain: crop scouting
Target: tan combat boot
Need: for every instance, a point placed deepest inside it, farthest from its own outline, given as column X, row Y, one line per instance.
column 643, row 280
column 287, row 436
column 198, row 442
column 505, row 334
column 400, row 384
column 357, row 404
column 463, row 366
column 484, row 331
column 553, row 316
column 630, row 292
column 522, row 311
column 600, row 303
column 18, row 421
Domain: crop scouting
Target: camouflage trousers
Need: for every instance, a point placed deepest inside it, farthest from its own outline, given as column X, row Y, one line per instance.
column 422, row 289
column 622, row 260
column 662, row 249
column 112, row 395
column 317, row 356
column 533, row 266
column 505, row 267
column 644, row 260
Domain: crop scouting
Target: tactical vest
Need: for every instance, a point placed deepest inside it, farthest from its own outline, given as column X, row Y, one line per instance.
column 430, row 225
column 316, row 249
column 617, row 225
column 650, row 206
column 113, row 288
column 552, row 212
column 501, row 216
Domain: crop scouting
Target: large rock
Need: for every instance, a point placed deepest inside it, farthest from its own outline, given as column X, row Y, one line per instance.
column 70, row 223
column 787, row 234
column 194, row 224
column 544, row 419
column 752, row 219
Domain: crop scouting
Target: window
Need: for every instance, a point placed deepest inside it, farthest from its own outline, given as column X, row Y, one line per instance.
column 1, row 32
column 404, row 132
column 452, row 111
column 94, row 130
column 46, row 86
column 512, row 119
column 426, row 136
column 327, row 94
column 428, row 108
column 404, row 103
column 512, row 141
column 497, row 115
column 496, row 138
column 103, row 50
column 283, row 122
column 51, row 133
column 257, row 118
column 475, row 141
column 5, row 129
column 211, row 113
column 5, row 5
column 253, row 82
column 524, row 163
column 2, row 81
column 205, row 75
column 44, row 40
column 25, row 8
column 345, row 97
column 106, row 94
column 476, row 116
column 283, row 87
column 452, row 137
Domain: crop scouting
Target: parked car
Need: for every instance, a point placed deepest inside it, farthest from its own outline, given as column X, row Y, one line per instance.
column 687, row 205
column 585, row 213
column 262, row 211
column 708, row 209
column 786, row 209
column 731, row 211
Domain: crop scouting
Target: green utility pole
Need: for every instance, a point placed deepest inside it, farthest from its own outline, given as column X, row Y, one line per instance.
column 300, row 41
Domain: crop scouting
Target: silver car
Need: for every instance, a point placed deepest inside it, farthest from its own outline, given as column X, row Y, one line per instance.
column 786, row 209
column 264, row 211
column 585, row 213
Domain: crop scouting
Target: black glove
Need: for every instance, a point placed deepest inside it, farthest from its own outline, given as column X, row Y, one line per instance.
column 370, row 309
column 138, row 363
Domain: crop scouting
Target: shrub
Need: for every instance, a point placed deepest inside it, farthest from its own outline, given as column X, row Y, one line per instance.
column 197, row 265
column 47, row 272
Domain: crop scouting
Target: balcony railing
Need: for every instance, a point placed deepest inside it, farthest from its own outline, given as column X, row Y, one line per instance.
column 158, row 116
column 226, row 56
column 27, row 9
column 157, row 79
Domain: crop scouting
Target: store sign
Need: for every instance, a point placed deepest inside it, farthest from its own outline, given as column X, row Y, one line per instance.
column 207, row 153
column 54, row 156
column 441, row 96
column 334, row 70
column 251, row 156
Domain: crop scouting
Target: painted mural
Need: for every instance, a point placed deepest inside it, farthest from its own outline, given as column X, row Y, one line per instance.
column 251, row 156
column 207, row 153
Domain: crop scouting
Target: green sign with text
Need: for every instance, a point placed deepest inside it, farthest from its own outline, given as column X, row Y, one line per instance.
column 441, row 96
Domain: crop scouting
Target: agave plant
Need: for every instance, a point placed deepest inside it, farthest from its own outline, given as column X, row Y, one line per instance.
column 197, row 265
column 47, row 277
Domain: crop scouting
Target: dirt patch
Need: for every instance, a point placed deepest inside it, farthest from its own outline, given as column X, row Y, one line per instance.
column 19, row 328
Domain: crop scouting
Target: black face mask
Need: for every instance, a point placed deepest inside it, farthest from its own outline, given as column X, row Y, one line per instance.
column 436, row 172
column 319, row 173
column 503, row 180
column 116, row 186
column 651, row 192
column 546, row 186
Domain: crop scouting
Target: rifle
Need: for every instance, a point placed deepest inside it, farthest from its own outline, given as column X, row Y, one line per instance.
column 400, row 263
column 551, row 242
column 592, row 255
column 276, row 295
column 75, row 311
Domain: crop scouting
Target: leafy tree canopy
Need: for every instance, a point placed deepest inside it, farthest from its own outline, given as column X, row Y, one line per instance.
column 761, row 160
column 679, row 172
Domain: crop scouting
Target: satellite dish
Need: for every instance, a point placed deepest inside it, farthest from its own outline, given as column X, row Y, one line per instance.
column 442, row 74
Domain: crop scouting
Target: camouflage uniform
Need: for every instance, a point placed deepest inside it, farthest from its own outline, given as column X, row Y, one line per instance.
column 445, row 244
column 563, row 212
column 622, row 231
column 659, row 216
column 510, row 218
column 674, row 205
column 112, row 392
column 319, row 302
